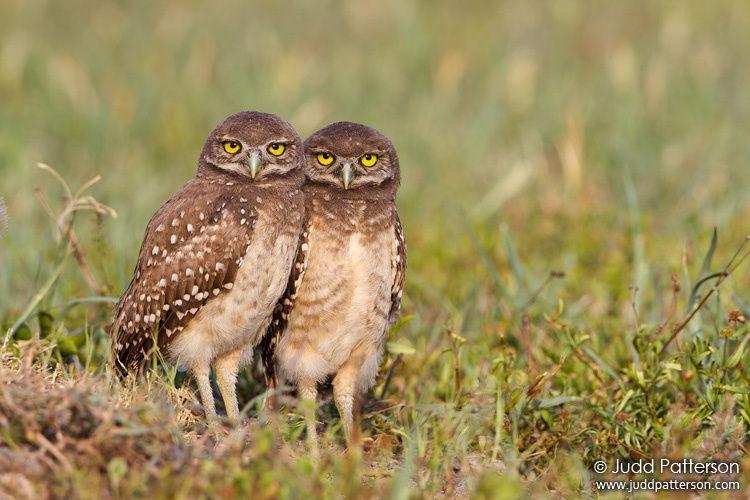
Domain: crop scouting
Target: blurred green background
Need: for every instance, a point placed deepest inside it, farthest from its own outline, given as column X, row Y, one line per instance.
column 604, row 139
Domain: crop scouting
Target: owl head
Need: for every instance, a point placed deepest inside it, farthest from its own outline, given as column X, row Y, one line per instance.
column 350, row 156
column 254, row 145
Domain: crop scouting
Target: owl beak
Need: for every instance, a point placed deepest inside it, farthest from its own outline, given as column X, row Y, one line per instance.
column 254, row 163
column 347, row 174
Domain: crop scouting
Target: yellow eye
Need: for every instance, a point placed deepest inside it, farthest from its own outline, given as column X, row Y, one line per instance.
column 276, row 149
column 232, row 147
column 325, row 159
column 369, row 160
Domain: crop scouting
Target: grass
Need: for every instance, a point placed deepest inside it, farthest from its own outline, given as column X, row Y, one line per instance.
column 573, row 189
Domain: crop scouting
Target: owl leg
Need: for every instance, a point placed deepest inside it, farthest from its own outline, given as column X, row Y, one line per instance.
column 348, row 399
column 269, row 397
column 347, row 403
column 202, row 376
column 227, row 366
column 308, row 393
column 353, row 379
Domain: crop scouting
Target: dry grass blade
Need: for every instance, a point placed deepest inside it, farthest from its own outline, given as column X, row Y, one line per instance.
column 722, row 276
column 73, row 203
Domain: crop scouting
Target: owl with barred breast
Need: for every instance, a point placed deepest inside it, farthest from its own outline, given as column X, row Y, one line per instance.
column 346, row 283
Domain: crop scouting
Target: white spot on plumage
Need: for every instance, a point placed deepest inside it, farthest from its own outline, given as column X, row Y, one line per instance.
column 179, row 314
column 216, row 291
column 173, row 239
column 137, row 318
column 175, row 278
column 193, row 310
column 166, row 307
column 164, row 253
column 142, row 297
column 243, row 221
column 201, row 216
column 195, row 290
column 175, row 222
column 188, row 272
column 178, row 302
column 243, row 200
column 155, row 251
column 219, row 266
column 190, row 228
column 228, row 286
column 199, row 296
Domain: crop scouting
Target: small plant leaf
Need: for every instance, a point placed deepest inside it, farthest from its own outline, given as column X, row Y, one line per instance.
column 400, row 346
column 559, row 401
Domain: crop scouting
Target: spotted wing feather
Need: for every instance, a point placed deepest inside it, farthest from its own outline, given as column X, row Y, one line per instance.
column 283, row 308
column 398, row 271
column 191, row 252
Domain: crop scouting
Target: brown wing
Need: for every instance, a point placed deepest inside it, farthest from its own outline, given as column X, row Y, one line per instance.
column 398, row 271
column 283, row 307
column 190, row 254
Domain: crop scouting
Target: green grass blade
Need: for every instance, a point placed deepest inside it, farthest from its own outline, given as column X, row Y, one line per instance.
column 38, row 297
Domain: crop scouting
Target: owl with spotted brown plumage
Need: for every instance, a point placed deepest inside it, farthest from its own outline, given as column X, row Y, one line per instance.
column 346, row 283
column 216, row 258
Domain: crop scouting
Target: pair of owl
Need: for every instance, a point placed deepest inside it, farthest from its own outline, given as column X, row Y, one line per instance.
column 294, row 249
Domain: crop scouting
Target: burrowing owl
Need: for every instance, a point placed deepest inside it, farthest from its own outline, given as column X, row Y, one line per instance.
column 346, row 283
column 216, row 257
